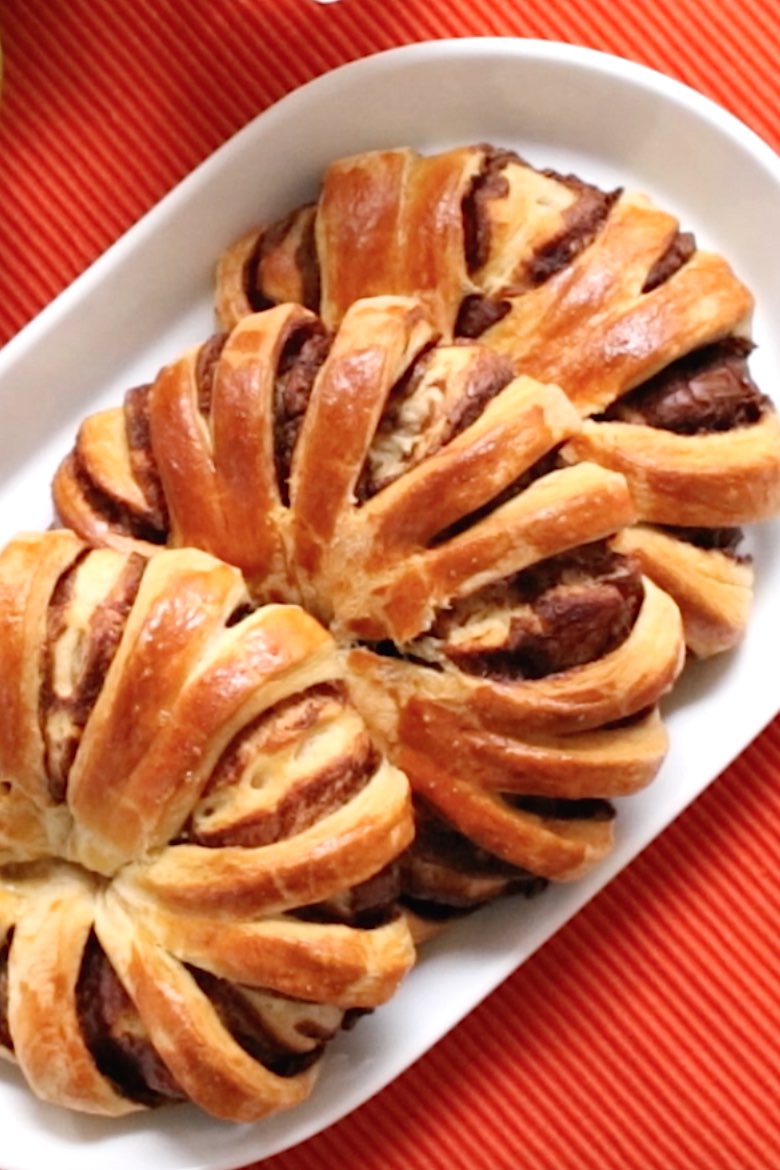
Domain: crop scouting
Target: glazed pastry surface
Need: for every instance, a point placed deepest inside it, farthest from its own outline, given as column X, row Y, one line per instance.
column 415, row 494
column 199, row 841
column 599, row 292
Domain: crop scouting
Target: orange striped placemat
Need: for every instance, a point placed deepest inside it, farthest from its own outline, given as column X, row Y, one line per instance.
column 644, row 1036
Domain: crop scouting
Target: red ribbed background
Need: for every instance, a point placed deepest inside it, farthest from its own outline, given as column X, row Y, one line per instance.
column 644, row 1036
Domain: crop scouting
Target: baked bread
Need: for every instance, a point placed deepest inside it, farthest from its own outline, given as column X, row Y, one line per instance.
column 598, row 292
column 198, row 839
column 412, row 495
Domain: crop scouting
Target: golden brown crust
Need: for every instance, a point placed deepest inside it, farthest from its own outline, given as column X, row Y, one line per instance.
column 597, row 292
column 548, row 330
column 583, row 734
column 717, row 480
column 592, row 329
column 217, row 469
column 384, row 524
column 373, row 349
column 232, row 300
column 712, row 588
column 27, row 575
column 413, row 252
column 53, row 920
column 147, row 702
column 427, row 511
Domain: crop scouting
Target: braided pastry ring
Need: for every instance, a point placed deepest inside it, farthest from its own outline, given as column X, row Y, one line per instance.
column 414, row 498
column 597, row 292
column 588, row 733
column 195, row 830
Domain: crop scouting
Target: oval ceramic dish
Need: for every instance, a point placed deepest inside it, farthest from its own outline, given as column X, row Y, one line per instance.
column 151, row 295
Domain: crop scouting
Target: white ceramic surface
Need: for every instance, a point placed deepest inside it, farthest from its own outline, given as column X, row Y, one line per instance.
column 150, row 296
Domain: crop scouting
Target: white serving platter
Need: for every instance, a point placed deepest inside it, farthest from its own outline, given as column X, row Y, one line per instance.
column 150, row 297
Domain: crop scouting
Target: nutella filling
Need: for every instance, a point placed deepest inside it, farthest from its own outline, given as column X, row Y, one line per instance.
column 248, row 1030
column 303, row 355
column 118, row 518
column 312, row 797
column 489, row 184
column 564, row 612
column 6, row 1040
column 142, row 459
column 678, row 253
column 115, row 1035
column 582, row 223
column 304, row 257
column 707, row 391
column 494, row 374
column 443, row 873
column 99, row 644
column 478, row 313
column 725, row 540
column 560, row 809
column 206, row 369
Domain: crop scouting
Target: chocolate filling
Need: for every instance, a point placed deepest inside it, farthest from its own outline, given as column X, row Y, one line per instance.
column 551, row 461
column 313, row 797
column 241, row 612
column 303, row 355
column 252, row 286
column 582, row 223
column 560, row 809
column 478, row 313
column 115, row 1035
column 117, row 517
column 568, row 610
column 486, row 186
column 678, row 253
column 490, row 378
column 6, row 1040
column 206, row 369
column 706, row 391
column 366, row 906
column 726, row 540
column 142, row 459
column 247, row 1029
column 100, row 643
column 438, row 845
column 305, row 259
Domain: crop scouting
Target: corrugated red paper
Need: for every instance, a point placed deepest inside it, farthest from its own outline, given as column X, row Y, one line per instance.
column 645, row 1035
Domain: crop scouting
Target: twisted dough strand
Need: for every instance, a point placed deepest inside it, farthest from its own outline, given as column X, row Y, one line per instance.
column 156, row 716
column 421, row 506
column 597, row 292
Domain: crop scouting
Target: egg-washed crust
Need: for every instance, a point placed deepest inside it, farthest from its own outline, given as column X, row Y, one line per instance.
column 599, row 292
column 416, row 496
column 199, row 842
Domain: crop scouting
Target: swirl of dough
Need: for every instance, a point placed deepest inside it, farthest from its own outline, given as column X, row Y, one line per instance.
column 199, row 841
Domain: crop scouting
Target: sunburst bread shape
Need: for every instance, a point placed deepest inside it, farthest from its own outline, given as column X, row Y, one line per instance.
column 599, row 292
column 198, row 838
column 411, row 493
